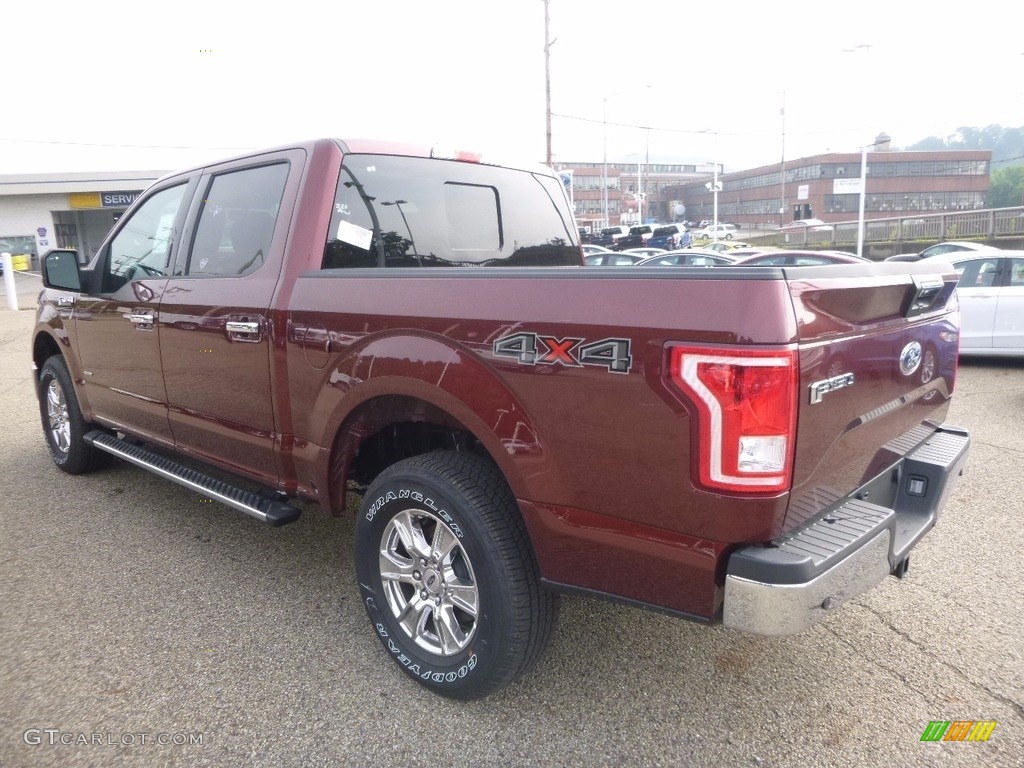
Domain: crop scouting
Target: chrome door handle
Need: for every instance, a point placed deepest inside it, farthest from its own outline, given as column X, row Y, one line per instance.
column 236, row 327
column 140, row 319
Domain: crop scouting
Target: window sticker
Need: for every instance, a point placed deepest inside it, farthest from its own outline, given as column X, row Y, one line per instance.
column 360, row 237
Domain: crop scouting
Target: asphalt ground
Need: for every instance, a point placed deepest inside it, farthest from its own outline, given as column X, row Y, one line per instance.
column 133, row 612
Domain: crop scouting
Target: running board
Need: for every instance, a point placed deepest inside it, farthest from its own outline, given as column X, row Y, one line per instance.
column 253, row 504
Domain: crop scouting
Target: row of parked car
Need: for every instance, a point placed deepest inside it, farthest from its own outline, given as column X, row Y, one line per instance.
column 711, row 256
column 990, row 290
column 621, row 237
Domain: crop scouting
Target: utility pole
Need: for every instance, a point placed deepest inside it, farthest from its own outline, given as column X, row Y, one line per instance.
column 547, row 77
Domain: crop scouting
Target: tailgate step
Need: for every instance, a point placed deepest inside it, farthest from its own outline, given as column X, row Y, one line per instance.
column 253, row 504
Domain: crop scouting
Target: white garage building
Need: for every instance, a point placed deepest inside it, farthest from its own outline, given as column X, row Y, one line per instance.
column 69, row 210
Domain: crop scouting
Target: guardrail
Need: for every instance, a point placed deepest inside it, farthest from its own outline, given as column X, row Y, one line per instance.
column 989, row 224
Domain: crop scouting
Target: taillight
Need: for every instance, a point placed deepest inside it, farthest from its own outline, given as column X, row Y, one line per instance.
column 746, row 404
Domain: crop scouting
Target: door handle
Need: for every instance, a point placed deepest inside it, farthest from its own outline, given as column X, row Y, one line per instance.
column 140, row 318
column 245, row 328
column 236, row 327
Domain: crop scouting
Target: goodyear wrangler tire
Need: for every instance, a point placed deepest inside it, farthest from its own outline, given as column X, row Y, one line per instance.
column 63, row 423
column 448, row 577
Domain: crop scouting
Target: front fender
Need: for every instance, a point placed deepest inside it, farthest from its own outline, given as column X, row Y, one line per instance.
column 52, row 335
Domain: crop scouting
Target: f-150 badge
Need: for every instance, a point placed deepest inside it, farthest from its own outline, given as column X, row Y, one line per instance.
column 821, row 388
column 534, row 349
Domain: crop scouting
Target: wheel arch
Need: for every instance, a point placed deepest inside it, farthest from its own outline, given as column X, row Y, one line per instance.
column 44, row 346
column 400, row 420
column 454, row 400
column 51, row 337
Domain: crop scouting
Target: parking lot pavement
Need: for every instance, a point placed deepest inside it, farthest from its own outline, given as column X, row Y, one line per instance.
column 133, row 612
column 26, row 286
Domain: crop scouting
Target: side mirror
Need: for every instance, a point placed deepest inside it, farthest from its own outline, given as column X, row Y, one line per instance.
column 60, row 270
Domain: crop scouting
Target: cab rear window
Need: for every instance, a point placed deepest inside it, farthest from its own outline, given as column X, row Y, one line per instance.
column 417, row 212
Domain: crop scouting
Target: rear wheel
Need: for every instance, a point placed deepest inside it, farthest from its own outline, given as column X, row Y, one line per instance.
column 448, row 577
column 63, row 423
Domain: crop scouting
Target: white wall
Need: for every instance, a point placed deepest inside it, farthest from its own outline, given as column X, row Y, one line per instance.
column 22, row 215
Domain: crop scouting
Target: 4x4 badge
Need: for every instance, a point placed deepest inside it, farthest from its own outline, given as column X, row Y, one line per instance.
column 534, row 349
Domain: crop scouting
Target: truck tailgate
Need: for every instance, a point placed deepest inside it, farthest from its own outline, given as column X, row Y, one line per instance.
column 878, row 358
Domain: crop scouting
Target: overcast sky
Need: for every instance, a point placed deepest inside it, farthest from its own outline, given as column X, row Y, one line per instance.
column 141, row 86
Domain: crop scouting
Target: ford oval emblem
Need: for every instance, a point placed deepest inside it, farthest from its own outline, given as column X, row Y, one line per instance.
column 910, row 358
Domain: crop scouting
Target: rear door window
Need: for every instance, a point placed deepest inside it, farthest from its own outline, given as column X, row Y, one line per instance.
column 236, row 222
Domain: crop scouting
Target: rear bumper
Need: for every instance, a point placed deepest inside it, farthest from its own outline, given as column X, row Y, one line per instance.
column 805, row 574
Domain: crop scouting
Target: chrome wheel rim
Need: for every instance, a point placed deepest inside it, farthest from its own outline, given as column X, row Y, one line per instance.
column 428, row 581
column 928, row 367
column 57, row 414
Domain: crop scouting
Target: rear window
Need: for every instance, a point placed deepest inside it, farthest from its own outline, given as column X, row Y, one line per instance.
column 418, row 212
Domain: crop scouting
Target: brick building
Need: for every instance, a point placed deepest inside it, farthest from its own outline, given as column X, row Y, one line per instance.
column 822, row 187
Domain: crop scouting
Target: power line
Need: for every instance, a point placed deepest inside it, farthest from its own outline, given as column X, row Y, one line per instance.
column 703, row 131
column 115, row 146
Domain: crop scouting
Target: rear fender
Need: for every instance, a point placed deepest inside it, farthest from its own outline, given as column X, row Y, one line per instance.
column 420, row 377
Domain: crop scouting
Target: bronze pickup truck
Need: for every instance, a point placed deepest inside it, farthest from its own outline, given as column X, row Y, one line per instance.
column 751, row 445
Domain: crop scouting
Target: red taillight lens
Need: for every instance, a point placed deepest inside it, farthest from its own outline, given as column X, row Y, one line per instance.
column 746, row 407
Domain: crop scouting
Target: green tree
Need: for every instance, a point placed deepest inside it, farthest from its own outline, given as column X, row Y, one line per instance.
column 1007, row 144
column 1006, row 187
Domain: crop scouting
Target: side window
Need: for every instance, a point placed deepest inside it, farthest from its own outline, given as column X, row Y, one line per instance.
column 236, row 222
column 1017, row 272
column 978, row 273
column 350, row 241
column 142, row 248
column 420, row 212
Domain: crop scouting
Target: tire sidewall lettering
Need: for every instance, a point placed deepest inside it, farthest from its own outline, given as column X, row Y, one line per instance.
column 407, row 493
column 419, row 668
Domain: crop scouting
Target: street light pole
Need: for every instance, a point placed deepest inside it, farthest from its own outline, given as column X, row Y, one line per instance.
column 604, row 173
column 714, row 203
column 863, row 194
column 639, row 194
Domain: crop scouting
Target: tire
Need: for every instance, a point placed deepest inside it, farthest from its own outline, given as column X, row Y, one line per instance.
column 63, row 424
column 728, row 236
column 448, row 577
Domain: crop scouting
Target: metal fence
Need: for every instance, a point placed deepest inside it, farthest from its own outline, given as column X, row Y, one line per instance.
column 990, row 224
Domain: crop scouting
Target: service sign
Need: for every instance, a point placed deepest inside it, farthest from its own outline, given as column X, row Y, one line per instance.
column 118, row 199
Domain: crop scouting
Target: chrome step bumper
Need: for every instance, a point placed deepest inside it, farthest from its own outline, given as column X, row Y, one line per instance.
column 805, row 574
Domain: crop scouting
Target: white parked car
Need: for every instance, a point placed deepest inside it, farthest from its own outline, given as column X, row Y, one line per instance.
column 991, row 296
column 725, row 232
column 950, row 246
column 806, row 225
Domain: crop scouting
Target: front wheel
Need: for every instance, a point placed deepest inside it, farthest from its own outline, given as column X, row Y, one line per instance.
column 63, row 423
column 447, row 575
